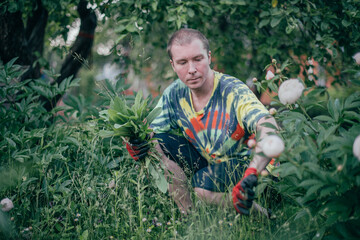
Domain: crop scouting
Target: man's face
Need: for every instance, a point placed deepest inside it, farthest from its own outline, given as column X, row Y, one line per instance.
column 191, row 63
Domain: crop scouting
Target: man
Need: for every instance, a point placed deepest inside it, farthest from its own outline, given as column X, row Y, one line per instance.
column 205, row 118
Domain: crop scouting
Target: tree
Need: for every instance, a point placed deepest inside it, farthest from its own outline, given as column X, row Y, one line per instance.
column 22, row 32
column 246, row 34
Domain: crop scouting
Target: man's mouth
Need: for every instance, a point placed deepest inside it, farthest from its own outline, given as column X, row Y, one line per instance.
column 193, row 79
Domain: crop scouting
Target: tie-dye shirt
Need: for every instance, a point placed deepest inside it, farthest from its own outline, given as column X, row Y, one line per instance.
column 217, row 130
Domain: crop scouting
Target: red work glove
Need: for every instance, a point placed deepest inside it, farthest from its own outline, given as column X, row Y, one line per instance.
column 137, row 149
column 243, row 193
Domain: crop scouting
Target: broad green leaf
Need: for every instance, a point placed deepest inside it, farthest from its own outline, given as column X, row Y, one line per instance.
column 324, row 134
column 324, row 118
column 161, row 183
column 106, row 133
column 153, row 172
column 153, row 114
column 309, row 182
column 264, row 22
column 275, row 21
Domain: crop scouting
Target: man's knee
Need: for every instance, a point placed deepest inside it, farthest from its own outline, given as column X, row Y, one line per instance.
column 203, row 193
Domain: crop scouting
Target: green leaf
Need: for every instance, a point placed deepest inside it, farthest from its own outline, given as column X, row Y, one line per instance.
column 106, row 133
column 264, row 22
column 345, row 23
column 275, row 21
column 327, row 191
column 84, row 235
column 324, row 134
column 324, row 118
column 309, row 182
column 153, row 171
column 152, row 115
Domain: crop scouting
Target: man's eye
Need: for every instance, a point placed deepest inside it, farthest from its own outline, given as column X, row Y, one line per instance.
column 198, row 59
column 182, row 63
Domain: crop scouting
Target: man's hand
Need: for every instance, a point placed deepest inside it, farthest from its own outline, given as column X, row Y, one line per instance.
column 243, row 193
column 137, row 149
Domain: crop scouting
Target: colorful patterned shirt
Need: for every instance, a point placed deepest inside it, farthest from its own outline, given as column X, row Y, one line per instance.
column 217, row 130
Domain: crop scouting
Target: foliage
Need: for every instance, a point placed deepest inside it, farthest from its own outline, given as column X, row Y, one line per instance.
column 244, row 35
column 318, row 170
column 68, row 183
column 132, row 124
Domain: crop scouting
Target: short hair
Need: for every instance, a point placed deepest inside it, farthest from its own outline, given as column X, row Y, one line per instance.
column 186, row 36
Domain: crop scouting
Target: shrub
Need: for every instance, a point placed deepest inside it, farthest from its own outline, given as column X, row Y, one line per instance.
column 318, row 171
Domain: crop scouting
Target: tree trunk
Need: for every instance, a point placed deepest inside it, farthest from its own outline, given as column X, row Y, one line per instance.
column 81, row 49
column 16, row 41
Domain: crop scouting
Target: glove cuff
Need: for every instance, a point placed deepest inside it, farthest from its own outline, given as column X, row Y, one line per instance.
column 250, row 171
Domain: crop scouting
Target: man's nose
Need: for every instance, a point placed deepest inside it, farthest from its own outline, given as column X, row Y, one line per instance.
column 192, row 67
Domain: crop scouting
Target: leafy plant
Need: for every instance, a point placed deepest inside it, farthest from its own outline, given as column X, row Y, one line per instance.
column 132, row 124
column 318, row 171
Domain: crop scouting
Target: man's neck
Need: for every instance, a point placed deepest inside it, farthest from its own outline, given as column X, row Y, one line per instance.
column 201, row 96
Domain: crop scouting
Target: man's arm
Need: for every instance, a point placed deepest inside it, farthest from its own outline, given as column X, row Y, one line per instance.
column 243, row 193
column 259, row 162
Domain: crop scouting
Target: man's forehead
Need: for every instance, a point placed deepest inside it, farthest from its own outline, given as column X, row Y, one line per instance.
column 188, row 50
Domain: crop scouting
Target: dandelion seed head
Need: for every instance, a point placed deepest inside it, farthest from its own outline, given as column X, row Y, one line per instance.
column 6, row 204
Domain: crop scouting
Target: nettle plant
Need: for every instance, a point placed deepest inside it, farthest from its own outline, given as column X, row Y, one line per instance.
column 319, row 168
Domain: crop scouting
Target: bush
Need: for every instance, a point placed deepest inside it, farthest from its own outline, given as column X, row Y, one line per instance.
column 318, row 171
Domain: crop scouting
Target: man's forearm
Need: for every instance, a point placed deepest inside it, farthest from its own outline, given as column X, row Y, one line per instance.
column 259, row 161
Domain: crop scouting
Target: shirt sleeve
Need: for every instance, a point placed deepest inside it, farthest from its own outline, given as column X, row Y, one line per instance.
column 165, row 121
column 249, row 109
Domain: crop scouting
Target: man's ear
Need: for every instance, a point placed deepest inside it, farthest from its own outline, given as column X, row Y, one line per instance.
column 172, row 64
column 209, row 56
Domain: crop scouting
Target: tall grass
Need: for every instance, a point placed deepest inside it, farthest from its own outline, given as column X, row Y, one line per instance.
column 70, row 196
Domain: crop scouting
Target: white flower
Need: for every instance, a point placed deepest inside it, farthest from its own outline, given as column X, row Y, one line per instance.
column 269, row 75
column 6, row 204
column 272, row 146
column 290, row 91
column 311, row 70
column 356, row 147
column 356, row 57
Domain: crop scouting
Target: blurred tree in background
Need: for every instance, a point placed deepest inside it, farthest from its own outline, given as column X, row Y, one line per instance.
column 244, row 35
